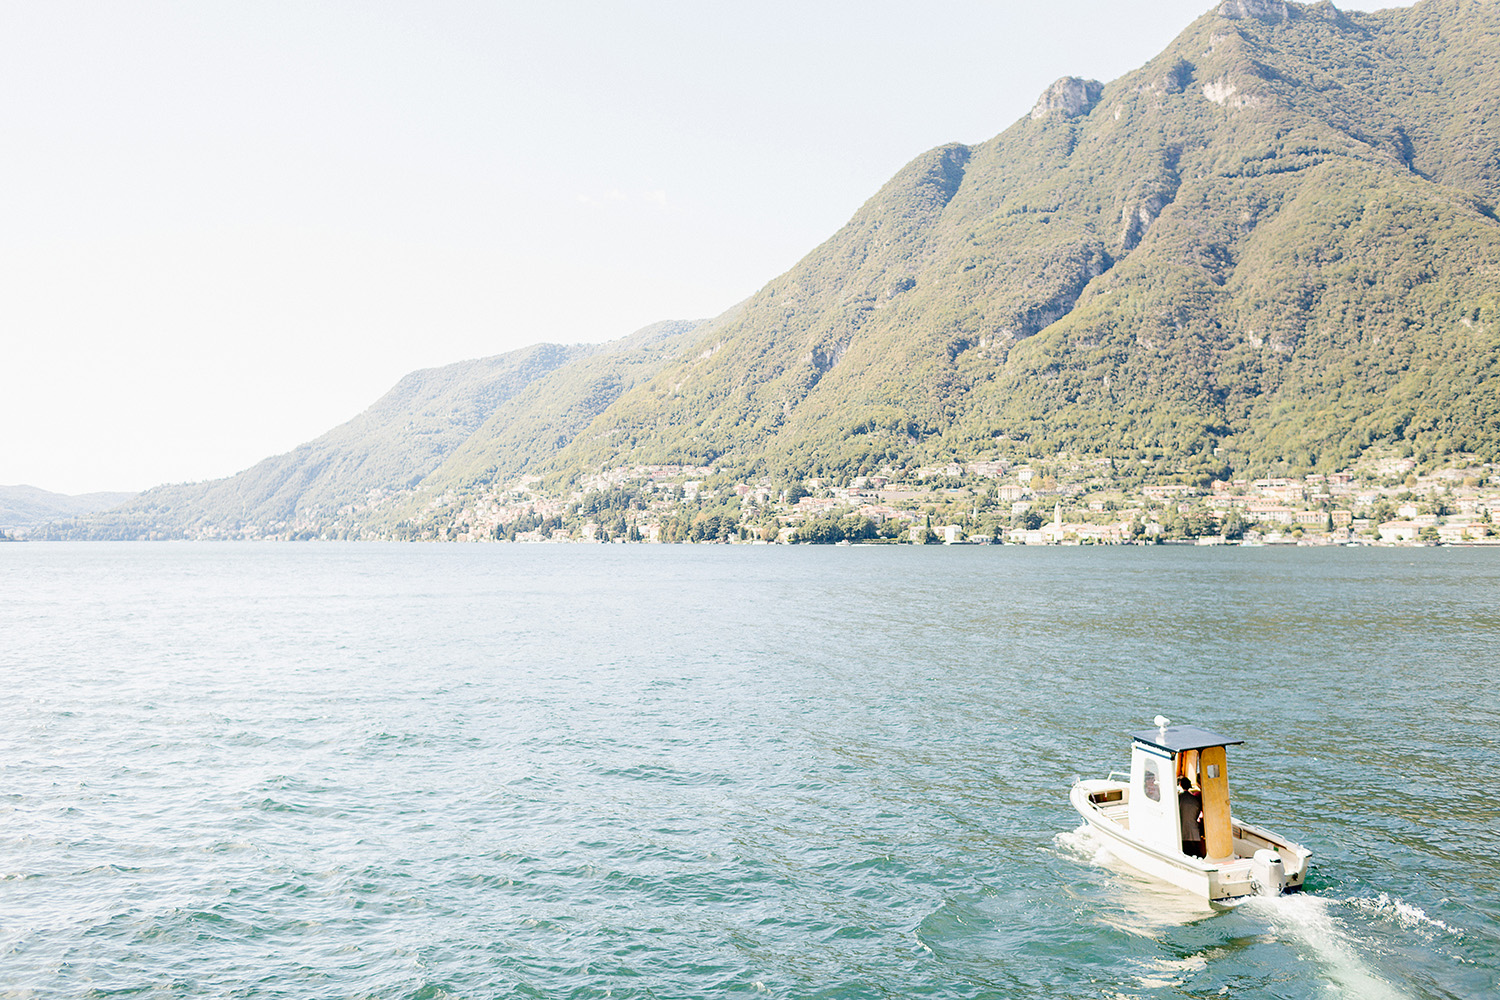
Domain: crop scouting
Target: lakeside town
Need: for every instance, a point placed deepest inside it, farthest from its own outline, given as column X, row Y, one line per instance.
column 1390, row 500
column 1059, row 502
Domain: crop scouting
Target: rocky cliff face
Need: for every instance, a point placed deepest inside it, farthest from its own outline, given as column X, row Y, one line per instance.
column 1069, row 97
column 1271, row 11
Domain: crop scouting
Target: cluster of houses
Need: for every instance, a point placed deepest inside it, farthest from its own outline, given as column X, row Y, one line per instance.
column 995, row 501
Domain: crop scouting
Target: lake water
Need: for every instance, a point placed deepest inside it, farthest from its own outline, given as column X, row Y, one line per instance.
column 319, row 770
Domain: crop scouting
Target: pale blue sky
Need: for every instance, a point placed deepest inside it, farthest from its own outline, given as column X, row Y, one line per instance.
column 226, row 228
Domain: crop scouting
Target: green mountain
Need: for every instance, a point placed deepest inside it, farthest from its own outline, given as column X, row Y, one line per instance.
column 28, row 506
column 1270, row 248
column 385, row 451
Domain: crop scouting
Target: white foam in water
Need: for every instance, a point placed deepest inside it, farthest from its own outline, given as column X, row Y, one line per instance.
column 1171, row 972
column 1083, row 843
column 1408, row 916
column 1307, row 920
column 1298, row 918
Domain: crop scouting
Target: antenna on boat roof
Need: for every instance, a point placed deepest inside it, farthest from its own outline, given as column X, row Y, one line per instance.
column 1162, row 721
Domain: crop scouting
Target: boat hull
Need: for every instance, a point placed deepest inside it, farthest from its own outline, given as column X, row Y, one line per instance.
column 1103, row 805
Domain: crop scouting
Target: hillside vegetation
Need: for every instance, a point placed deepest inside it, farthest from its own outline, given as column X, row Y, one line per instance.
column 1270, row 247
column 28, row 506
column 382, row 454
column 1268, row 250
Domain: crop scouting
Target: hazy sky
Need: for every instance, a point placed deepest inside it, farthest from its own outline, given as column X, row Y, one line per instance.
column 226, row 228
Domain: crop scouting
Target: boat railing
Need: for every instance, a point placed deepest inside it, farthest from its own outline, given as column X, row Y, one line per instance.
column 1120, row 776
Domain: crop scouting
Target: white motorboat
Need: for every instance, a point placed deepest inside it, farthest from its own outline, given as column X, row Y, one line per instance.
column 1170, row 818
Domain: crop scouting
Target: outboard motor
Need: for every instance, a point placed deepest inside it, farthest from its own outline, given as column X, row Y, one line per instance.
column 1269, row 872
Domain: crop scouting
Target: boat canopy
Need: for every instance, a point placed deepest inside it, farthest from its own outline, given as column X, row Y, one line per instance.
column 1176, row 739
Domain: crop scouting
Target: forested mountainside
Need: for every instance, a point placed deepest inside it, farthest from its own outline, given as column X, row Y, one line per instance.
column 28, row 506
column 1269, row 249
column 384, row 452
column 1277, row 239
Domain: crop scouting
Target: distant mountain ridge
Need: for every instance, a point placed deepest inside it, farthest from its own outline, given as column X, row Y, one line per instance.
column 1269, row 249
column 29, row 506
column 388, row 449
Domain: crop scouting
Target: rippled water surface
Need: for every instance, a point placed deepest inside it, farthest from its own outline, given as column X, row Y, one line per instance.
column 312, row 771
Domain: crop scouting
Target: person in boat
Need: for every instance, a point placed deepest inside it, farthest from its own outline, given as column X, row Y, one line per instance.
column 1190, row 811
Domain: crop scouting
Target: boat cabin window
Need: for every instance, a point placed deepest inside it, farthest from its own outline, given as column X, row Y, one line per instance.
column 1213, row 770
column 1149, row 781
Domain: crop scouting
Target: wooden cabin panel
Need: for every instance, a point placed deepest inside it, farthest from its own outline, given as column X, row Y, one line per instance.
column 1213, row 778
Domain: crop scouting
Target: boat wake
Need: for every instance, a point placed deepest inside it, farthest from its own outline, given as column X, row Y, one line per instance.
column 1343, row 935
column 1401, row 914
column 1308, row 921
column 1083, row 843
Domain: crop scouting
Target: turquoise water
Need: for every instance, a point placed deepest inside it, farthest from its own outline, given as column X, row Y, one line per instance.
column 490, row 771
